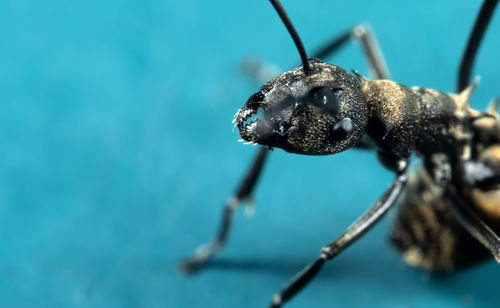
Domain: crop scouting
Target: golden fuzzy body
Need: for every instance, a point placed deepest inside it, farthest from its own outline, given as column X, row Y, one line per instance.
column 404, row 120
column 426, row 231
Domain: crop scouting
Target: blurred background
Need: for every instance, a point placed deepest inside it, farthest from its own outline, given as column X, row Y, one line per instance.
column 117, row 153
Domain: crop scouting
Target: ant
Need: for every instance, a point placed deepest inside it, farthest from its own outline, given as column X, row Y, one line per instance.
column 449, row 205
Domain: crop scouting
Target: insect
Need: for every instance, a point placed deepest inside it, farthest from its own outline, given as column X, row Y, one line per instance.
column 449, row 205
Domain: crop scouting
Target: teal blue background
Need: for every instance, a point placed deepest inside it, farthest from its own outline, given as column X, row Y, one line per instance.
column 117, row 153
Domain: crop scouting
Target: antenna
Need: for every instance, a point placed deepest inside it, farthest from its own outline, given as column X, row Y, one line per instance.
column 476, row 35
column 295, row 36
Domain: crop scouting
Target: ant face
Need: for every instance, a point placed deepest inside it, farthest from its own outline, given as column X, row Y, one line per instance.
column 323, row 112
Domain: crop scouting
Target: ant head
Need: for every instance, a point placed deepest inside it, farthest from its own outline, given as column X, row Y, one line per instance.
column 321, row 112
column 315, row 109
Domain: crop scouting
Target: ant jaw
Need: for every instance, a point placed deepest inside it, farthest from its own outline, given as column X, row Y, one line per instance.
column 251, row 124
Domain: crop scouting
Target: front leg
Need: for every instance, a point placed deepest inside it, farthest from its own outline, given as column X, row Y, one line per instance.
column 355, row 231
column 243, row 194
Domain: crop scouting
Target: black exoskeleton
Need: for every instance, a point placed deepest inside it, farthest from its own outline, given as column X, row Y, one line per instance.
column 449, row 204
column 330, row 110
column 321, row 113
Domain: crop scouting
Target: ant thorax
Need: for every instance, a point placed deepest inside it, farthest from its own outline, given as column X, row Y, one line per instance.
column 424, row 121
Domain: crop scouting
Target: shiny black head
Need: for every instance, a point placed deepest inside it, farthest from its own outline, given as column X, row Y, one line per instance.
column 323, row 112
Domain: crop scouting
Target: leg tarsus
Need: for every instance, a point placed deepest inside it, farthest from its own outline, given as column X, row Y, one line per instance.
column 205, row 251
column 300, row 280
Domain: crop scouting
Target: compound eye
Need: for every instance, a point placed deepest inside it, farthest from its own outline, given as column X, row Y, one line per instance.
column 342, row 129
column 326, row 98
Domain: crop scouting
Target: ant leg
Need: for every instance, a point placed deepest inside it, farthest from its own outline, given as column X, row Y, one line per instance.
column 369, row 45
column 356, row 230
column 476, row 35
column 243, row 193
column 472, row 222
